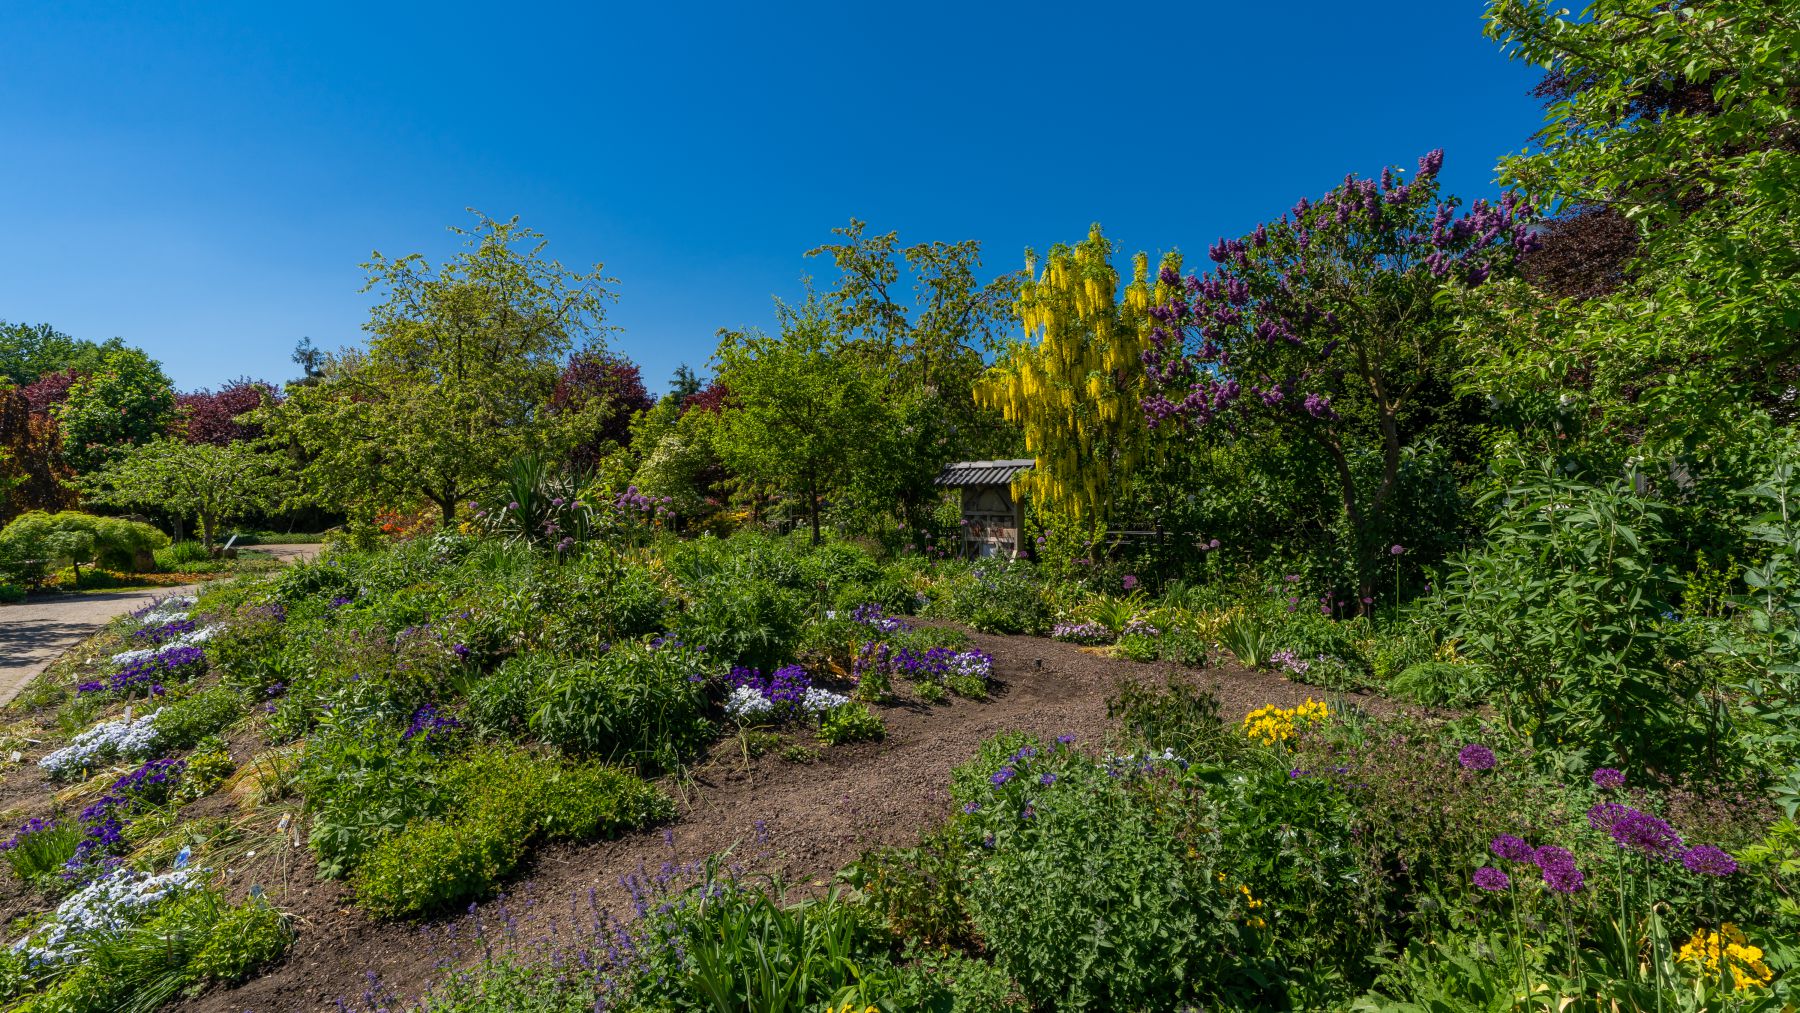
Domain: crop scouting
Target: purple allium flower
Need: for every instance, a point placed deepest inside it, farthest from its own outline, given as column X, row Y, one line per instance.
column 1511, row 848
column 1489, row 878
column 1646, row 834
column 1395, row 550
column 1213, row 544
column 1476, row 756
column 1708, row 861
column 1608, row 777
column 1130, row 581
column 1604, row 815
column 1003, row 775
column 514, row 505
column 1564, row 878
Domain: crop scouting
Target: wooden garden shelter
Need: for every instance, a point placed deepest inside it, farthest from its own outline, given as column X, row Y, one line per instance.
column 992, row 517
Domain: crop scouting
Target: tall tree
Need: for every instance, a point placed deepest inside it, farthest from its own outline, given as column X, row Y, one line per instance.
column 125, row 402
column 801, row 413
column 29, row 351
column 1672, row 154
column 1331, row 323
column 597, row 395
column 1073, row 384
column 206, row 416
column 32, row 473
column 209, row 483
column 923, row 350
column 461, row 365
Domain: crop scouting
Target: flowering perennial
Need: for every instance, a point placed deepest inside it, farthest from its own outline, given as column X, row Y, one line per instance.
column 1705, row 951
column 147, row 675
column 109, row 740
column 107, row 906
column 1272, row 724
column 1476, row 756
column 1081, row 633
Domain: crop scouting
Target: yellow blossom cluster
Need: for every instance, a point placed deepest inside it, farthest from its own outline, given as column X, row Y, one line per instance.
column 1272, row 724
column 1072, row 386
column 1703, row 952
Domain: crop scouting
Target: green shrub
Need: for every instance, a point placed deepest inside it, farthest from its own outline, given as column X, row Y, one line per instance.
column 508, row 985
column 499, row 803
column 1139, row 646
column 243, row 940
column 953, row 982
column 1437, row 684
column 1334, row 660
column 1139, row 920
column 363, row 785
column 993, row 596
column 11, row 594
column 1248, row 640
column 186, row 721
column 41, row 847
column 179, row 555
column 722, row 946
column 741, row 616
column 1179, row 715
column 632, row 704
column 851, row 722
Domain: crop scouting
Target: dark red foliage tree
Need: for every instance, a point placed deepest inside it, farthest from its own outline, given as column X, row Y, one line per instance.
column 607, row 378
column 206, row 416
column 32, row 473
column 49, row 389
column 710, row 399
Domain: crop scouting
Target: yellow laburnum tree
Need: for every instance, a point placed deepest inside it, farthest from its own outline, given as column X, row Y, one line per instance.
column 1072, row 385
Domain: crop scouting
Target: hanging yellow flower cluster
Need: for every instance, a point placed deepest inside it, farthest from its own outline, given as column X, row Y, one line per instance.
column 1073, row 383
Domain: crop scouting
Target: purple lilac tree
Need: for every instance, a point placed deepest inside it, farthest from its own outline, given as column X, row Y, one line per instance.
column 1326, row 324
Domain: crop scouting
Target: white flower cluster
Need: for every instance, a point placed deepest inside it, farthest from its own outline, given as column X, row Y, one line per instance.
column 169, row 609
column 109, row 740
column 979, row 664
column 109, row 905
column 746, row 703
column 818, row 701
column 191, row 638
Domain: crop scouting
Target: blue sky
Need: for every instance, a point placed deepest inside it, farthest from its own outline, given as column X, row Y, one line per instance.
column 204, row 180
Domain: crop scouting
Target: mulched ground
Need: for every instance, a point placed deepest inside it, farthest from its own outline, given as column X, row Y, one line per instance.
column 804, row 821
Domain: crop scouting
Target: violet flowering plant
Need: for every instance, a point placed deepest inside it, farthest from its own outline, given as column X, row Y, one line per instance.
column 1328, row 320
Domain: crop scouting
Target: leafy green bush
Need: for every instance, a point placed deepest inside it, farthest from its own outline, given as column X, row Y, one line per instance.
column 953, row 982
column 499, row 803
column 507, row 984
column 1178, row 715
column 362, row 786
column 1437, row 684
column 724, row 946
column 175, row 557
column 851, row 722
column 185, row 722
column 1248, row 639
column 742, row 616
column 11, row 594
column 993, row 596
column 1140, row 922
column 632, row 704
column 243, row 940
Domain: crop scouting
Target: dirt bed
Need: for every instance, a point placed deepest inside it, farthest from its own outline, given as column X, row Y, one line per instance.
column 805, row 821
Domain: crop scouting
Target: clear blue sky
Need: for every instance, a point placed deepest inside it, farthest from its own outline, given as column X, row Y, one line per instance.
column 204, row 179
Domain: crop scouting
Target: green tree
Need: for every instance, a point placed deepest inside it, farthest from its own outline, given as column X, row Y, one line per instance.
column 126, row 401
column 209, row 483
column 1676, row 121
column 461, row 363
column 923, row 353
column 802, row 414
column 77, row 539
column 29, row 351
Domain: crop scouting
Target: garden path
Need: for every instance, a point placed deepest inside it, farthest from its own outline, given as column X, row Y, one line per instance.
column 34, row 634
column 802, row 822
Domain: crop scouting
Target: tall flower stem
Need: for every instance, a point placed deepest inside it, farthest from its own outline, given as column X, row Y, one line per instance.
column 1519, row 941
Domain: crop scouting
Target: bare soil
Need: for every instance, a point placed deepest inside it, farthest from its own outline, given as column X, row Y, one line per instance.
column 804, row 821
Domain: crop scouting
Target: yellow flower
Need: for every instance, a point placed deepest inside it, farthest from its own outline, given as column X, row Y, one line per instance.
column 1702, row 953
column 1272, row 724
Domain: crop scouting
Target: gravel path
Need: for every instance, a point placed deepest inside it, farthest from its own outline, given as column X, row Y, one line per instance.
column 34, row 634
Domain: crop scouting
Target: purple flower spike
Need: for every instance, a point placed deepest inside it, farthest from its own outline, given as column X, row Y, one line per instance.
column 1476, row 756
column 1607, row 777
column 1491, row 879
column 1708, row 861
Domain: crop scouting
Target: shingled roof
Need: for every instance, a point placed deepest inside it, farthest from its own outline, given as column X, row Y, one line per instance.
column 965, row 473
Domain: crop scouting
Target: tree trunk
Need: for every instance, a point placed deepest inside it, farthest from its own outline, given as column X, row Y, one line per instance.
column 206, row 532
column 447, row 507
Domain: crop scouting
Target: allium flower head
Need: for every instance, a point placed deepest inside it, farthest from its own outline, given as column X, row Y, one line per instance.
column 1476, row 756
column 1489, row 878
column 1646, row 834
column 1708, row 861
column 1511, row 848
column 1608, row 777
column 1604, row 815
column 1395, row 550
